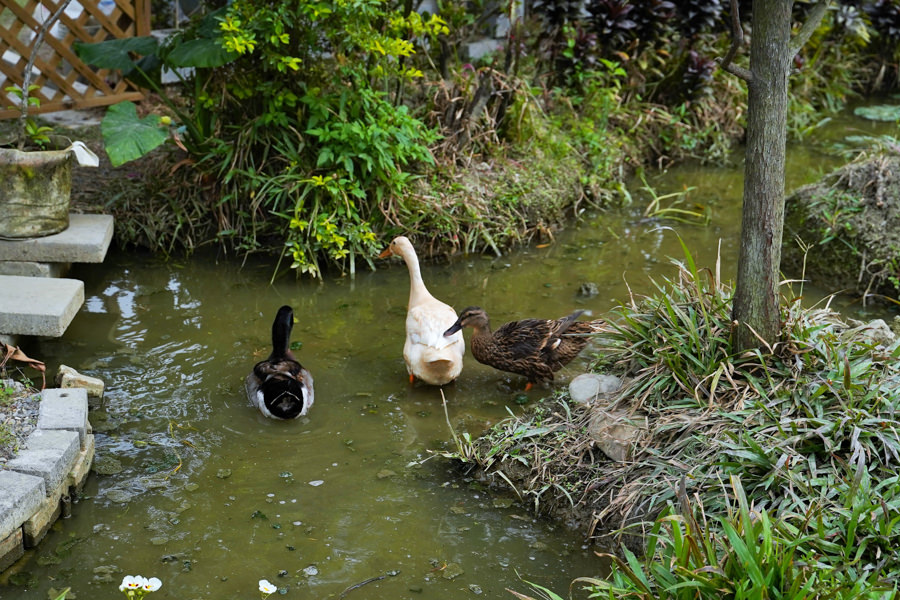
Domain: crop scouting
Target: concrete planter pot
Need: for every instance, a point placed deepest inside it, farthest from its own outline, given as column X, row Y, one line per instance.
column 35, row 189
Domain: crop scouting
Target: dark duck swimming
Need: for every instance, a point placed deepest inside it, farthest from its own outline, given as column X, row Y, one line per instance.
column 535, row 348
column 279, row 386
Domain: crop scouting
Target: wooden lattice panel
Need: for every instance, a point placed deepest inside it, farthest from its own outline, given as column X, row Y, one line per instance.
column 63, row 81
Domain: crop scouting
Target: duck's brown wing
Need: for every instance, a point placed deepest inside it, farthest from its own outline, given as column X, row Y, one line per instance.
column 568, row 340
column 523, row 339
column 515, row 347
column 281, row 369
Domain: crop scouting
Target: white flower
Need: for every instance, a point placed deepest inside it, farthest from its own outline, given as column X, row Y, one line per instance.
column 152, row 584
column 131, row 582
column 267, row 588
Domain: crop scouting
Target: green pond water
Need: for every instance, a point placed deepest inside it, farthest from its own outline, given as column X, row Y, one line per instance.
column 212, row 497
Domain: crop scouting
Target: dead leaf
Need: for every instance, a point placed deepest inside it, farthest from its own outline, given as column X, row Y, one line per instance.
column 13, row 352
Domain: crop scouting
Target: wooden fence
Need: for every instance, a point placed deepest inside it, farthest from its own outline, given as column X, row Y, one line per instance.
column 64, row 82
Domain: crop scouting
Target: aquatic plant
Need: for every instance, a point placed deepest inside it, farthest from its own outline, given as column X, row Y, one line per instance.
column 136, row 587
column 677, row 210
column 266, row 589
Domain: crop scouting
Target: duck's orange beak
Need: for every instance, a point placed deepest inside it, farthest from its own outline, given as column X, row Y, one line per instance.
column 387, row 252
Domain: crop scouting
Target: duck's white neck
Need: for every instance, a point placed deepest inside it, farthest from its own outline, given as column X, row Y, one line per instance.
column 417, row 291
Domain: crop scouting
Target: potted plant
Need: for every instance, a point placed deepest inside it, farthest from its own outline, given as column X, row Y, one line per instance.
column 35, row 173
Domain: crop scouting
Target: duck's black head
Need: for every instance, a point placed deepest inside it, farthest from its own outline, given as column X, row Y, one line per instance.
column 472, row 316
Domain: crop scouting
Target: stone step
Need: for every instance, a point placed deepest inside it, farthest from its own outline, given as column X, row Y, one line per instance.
column 86, row 240
column 38, row 305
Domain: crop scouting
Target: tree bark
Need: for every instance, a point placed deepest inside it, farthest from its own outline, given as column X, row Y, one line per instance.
column 756, row 302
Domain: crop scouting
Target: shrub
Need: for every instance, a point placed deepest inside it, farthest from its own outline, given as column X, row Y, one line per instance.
column 319, row 133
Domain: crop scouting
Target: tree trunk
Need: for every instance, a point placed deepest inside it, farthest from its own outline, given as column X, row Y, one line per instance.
column 756, row 300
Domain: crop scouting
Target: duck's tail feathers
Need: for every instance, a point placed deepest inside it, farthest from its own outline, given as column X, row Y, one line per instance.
column 285, row 398
column 446, row 354
column 578, row 328
column 567, row 322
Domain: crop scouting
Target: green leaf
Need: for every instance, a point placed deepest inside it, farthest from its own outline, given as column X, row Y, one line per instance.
column 116, row 54
column 145, row 73
column 209, row 25
column 204, row 53
column 127, row 136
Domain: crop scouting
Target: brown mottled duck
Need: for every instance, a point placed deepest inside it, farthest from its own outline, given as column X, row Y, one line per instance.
column 535, row 348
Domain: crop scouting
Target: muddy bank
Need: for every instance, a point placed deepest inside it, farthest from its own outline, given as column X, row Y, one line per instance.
column 553, row 463
column 850, row 223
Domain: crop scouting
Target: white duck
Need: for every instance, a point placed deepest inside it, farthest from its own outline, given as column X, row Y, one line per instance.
column 429, row 355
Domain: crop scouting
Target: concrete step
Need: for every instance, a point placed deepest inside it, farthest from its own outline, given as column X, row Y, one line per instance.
column 38, row 305
column 86, row 240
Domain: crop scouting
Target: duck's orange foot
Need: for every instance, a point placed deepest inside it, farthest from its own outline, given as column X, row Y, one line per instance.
column 412, row 378
column 528, row 386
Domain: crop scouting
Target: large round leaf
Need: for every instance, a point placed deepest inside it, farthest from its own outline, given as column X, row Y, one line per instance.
column 127, row 136
column 116, row 54
column 202, row 52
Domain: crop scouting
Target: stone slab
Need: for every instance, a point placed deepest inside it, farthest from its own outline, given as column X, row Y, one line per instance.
column 11, row 549
column 81, row 469
column 65, row 409
column 33, row 269
column 67, row 377
column 37, row 305
column 86, row 240
column 20, row 496
column 48, row 454
column 35, row 528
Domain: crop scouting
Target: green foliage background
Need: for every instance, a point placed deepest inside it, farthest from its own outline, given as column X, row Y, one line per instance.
column 313, row 129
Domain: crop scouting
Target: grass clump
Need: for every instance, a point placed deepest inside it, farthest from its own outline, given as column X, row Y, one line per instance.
column 746, row 553
column 850, row 218
column 764, row 473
